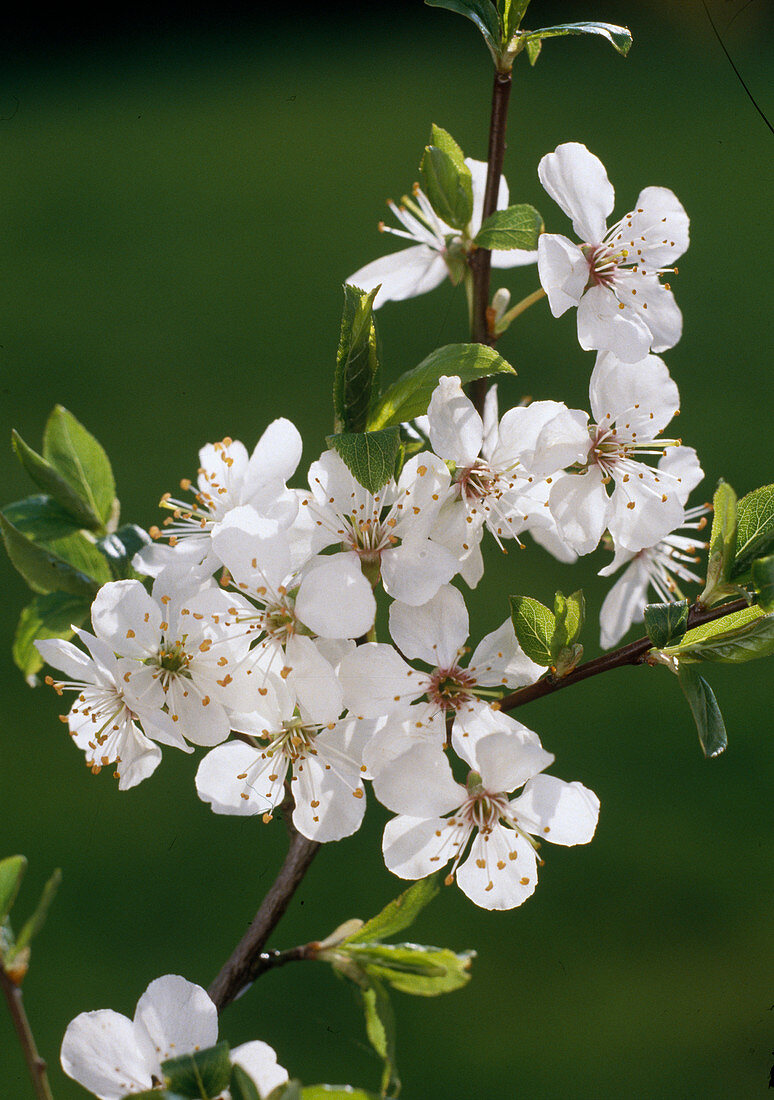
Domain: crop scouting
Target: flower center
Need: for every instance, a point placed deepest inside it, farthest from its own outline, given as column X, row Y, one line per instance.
column 603, row 263
column 451, row 688
column 476, row 481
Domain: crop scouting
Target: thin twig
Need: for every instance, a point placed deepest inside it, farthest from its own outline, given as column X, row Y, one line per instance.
column 245, row 963
column 35, row 1063
column 481, row 260
column 632, row 654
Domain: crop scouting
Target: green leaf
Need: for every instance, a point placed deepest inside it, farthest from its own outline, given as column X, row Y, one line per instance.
column 443, row 140
column 50, row 616
column 666, row 622
column 370, row 456
column 120, row 547
column 48, row 571
column 413, row 968
column 722, row 545
column 40, row 518
column 291, row 1090
column 47, row 478
column 380, row 1028
column 11, row 873
column 744, row 643
column 511, row 14
column 722, row 625
column 410, row 395
column 448, row 185
column 336, row 1092
column 242, row 1086
column 357, row 365
column 754, row 527
column 399, row 914
column 516, row 227
column 534, row 625
column 569, row 612
column 31, row 927
column 480, row 12
column 77, row 456
column 619, row 37
column 763, row 581
column 705, row 710
column 201, row 1075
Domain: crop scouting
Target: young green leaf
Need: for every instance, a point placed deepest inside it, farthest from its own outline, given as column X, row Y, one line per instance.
column 722, row 545
column 754, row 527
column 443, row 140
column 54, row 485
column 413, row 968
column 242, row 1086
column 705, row 710
column 516, row 227
column 744, row 643
column 569, row 615
column 32, row 926
column 11, row 873
column 380, row 1028
column 51, row 616
column 335, row 1092
column 355, row 379
column 666, row 622
column 410, row 395
column 448, row 186
column 533, row 47
column 763, row 581
column 618, row 37
column 77, row 456
column 120, row 547
column 291, row 1090
column 370, row 456
column 399, row 914
column 47, row 571
column 480, row 12
column 40, row 518
column 722, row 626
column 201, row 1075
column 534, row 625
column 511, row 14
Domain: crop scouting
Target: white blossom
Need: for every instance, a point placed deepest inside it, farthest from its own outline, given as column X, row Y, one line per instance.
column 437, row 249
column 612, row 276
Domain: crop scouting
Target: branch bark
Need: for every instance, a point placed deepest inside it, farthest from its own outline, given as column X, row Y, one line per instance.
column 632, row 654
column 245, row 963
column 481, row 260
column 35, row 1064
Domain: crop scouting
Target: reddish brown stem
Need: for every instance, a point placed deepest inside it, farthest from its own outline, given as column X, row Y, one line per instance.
column 35, row 1064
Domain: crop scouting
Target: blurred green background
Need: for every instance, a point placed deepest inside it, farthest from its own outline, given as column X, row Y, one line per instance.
column 180, row 204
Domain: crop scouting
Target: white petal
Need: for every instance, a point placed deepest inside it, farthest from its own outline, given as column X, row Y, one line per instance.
column 500, row 871
column 563, row 271
column 640, row 397
column 275, row 458
column 100, row 1052
column 126, row 617
column 682, row 463
column 456, row 429
column 68, row 659
column 499, row 659
column 478, row 172
column 335, row 600
column 217, row 782
column 580, row 506
column 479, row 720
column 564, row 813
column 603, row 326
column 139, row 759
column 376, row 680
column 623, row 605
column 414, row 847
column 200, row 722
column 174, row 1017
column 396, row 734
column 506, row 761
column 319, row 692
column 259, row 1062
column 414, row 571
column 419, row 783
column 659, row 217
column 514, row 257
column 402, row 275
column 577, row 181
column 435, row 632
column 644, row 510
column 330, row 800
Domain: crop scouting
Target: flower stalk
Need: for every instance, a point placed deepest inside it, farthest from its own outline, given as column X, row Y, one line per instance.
column 35, row 1064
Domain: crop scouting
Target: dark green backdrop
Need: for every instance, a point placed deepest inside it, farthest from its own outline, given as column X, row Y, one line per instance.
column 178, row 212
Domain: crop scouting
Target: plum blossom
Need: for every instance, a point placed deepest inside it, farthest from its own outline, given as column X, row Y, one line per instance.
column 113, row 1056
column 612, row 276
column 662, row 566
column 228, row 478
column 104, row 719
column 631, row 404
column 497, row 464
column 489, row 837
column 389, row 532
column 437, row 246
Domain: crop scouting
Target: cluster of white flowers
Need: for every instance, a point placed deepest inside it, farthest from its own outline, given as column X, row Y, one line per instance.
column 255, row 639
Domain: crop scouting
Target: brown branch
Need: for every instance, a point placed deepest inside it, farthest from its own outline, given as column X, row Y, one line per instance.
column 481, row 259
column 35, row 1064
column 246, row 961
column 632, row 654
